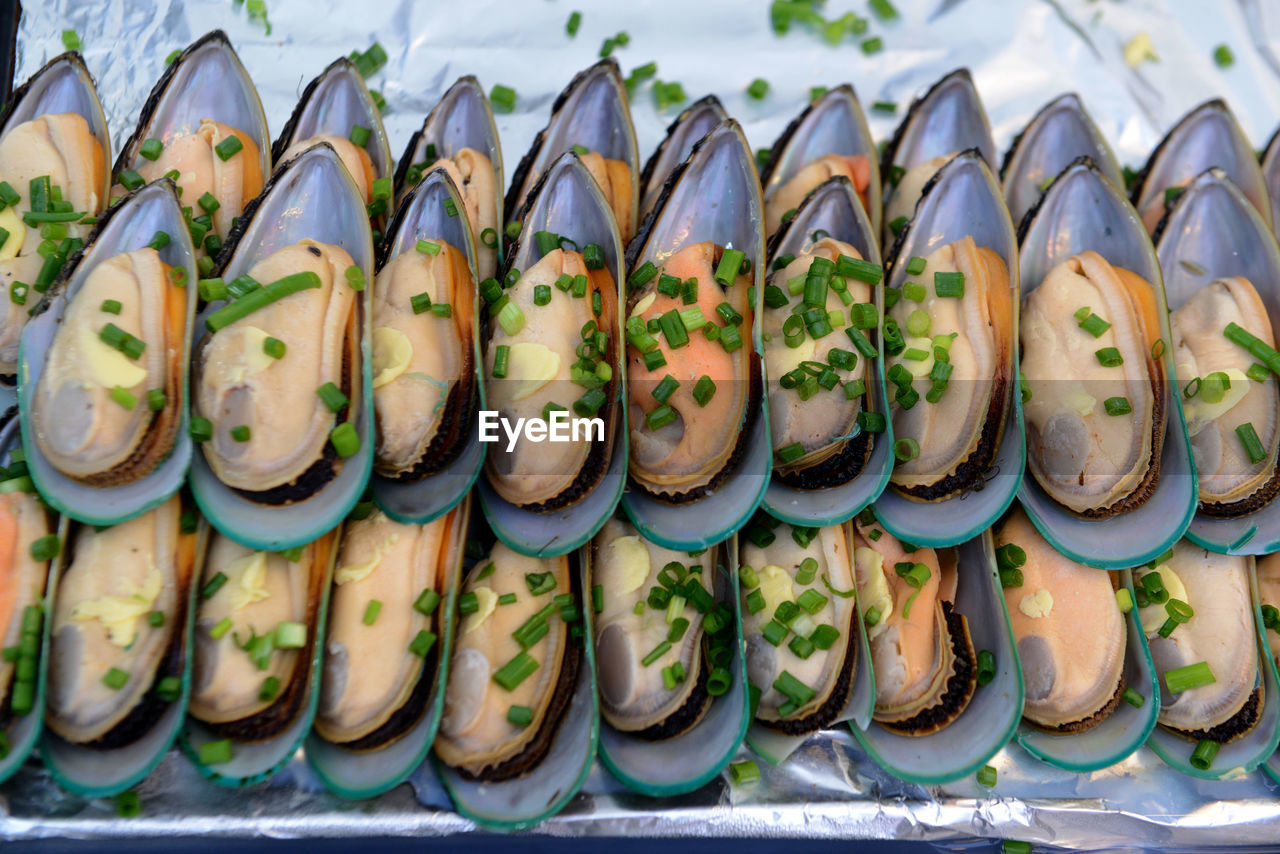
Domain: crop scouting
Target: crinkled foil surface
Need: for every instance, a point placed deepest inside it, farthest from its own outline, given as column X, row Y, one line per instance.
column 1021, row 52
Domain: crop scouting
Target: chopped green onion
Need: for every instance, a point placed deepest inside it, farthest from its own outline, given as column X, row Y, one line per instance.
column 345, row 439
column 214, row 752
column 986, row 776
column 1252, row 444
column 1133, row 698
column 503, row 98
column 1202, row 757
column 260, row 298
column 115, row 678
column 1181, row 679
column 228, row 148
column 422, row 643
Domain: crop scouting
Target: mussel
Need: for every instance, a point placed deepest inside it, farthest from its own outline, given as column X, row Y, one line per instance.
column 203, row 126
column 1208, row 136
column 656, row 616
column 514, row 667
column 336, row 108
column 255, row 631
column 799, row 612
column 424, row 373
column 54, row 148
column 1068, row 627
column 551, row 343
column 118, row 647
column 947, row 119
column 925, row 665
column 1197, row 611
column 1269, row 594
column 591, row 118
column 828, row 139
column 693, row 123
column 381, row 653
column 26, row 544
column 459, row 137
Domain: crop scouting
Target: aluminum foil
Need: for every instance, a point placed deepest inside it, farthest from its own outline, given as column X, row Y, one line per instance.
column 1021, row 54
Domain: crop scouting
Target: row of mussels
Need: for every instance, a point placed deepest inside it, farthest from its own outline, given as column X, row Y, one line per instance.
column 703, row 561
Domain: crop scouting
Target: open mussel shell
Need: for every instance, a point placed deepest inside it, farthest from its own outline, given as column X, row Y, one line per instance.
column 1255, row 747
column 424, row 216
column 311, row 197
column 833, row 124
column 1055, row 136
column 463, row 119
column 93, row 772
column 990, row 719
column 775, row 747
column 129, row 225
column 963, row 200
column 567, row 202
column 1082, row 210
column 332, row 104
column 1124, row 730
column 21, row 732
column 365, row 774
column 548, row 787
column 205, row 81
column 63, row 85
column 1206, row 137
column 721, row 168
column 693, row 123
column 947, row 119
column 1213, row 231
column 253, row 762
column 592, row 113
column 834, row 208
column 689, row 760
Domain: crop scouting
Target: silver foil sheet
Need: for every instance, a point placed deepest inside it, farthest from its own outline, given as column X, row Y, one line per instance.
column 1021, row 52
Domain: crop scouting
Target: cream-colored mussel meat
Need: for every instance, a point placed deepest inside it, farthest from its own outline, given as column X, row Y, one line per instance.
column 62, row 148
column 1269, row 594
column 271, row 426
column 354, row 157
column 514, row 667
column 1219, row 636
column 950, row 381
column 920, row 648
column 423, row 360
column 108, row 413
column 378, row 653
column 799, row 607
column 472, row 173
column 652, row 696
column 904, row 194
column 118, row 626
column 1069, row 632
column 1096, row 410
column 787, row 197
column 1235, row 477
column 253, row 636
column 810, row 423
column 23, row 523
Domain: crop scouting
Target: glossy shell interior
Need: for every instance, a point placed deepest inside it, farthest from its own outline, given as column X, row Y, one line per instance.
column 694, row 122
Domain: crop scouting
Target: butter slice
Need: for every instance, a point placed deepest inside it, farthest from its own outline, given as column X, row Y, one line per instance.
column 643, row 305
column 120, row 614
column 531, row 365
column 487, row 600
column 1153, row 616
column 105, row 365
column 10, row 222
column 245, row 354
column 922, row 367
column 391, row 354
column 785, row 359
column 1200, row 413
column 776, row 587
column 247, row 577
column 1037, row 605
column 360, row 571
column 875, row 593
column 630, row 559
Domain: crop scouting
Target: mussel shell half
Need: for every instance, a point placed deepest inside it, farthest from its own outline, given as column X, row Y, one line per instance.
column 423, row 215
column 833, row 124
column 566, row 202
column 591, row 112
column 206, row 80
column 834, row 207
column 462, row 119
column 963, row 200
column 945, row 120
column 129, row 225
column 1271, row 175
column 1082, row 210
column 990, row 719
column 334, row 102
column 1206, row 137
column 313, row 197
column 693, row 123
column 721, row 168
column 23, row 731
column 1214, row 232
column 1059, row 133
